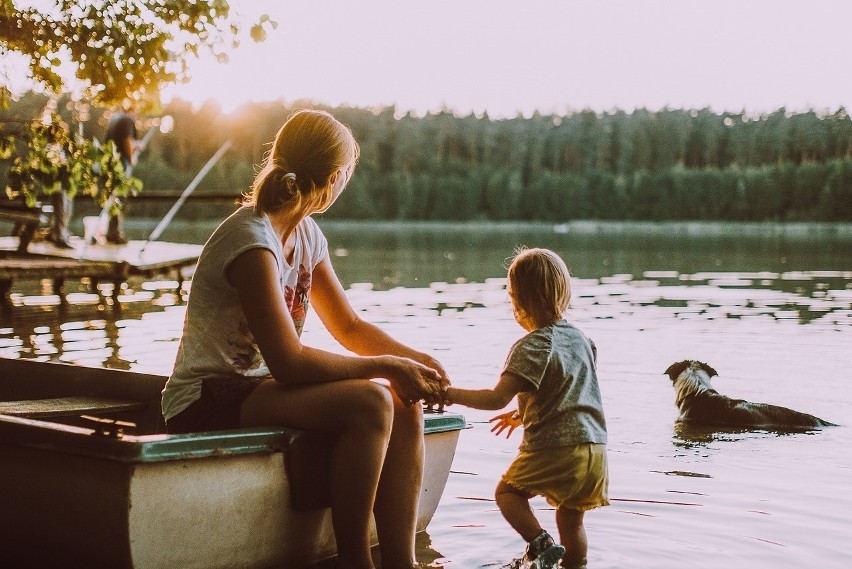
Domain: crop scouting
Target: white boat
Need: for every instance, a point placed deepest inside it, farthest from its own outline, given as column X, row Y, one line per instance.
column 98, row 493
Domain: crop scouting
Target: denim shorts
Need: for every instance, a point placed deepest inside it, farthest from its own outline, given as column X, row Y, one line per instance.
column 218, row 407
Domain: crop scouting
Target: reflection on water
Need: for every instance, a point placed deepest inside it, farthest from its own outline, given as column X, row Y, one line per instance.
column 773, row 315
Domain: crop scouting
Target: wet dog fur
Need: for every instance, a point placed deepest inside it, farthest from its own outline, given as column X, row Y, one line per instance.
column 701, row 405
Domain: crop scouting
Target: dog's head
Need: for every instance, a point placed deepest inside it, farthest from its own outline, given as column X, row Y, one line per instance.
column 678, row 368
column 690, row 378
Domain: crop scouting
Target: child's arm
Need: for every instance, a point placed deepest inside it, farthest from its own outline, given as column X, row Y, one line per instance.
column 488, row 399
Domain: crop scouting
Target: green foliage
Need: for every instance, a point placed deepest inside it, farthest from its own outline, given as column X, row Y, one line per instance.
column 120, row 51
column 54, row 161
column 836, row 199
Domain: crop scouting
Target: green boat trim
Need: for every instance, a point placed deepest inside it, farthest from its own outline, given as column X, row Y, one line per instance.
column 82, row 441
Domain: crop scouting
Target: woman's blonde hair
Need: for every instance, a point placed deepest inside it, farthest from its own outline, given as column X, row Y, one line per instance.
column 540, row 284
column 308, row 150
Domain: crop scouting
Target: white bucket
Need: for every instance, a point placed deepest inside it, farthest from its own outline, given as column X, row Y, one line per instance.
column 94, row 232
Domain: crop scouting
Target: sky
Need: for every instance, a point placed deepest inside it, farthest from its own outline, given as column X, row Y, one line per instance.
column 549, row 56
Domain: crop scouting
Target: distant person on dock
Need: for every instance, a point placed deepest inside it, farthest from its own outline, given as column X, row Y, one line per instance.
column 63, row 205
column 63, row 208
column 241, row 362
column 552, row 371
column 121, row 130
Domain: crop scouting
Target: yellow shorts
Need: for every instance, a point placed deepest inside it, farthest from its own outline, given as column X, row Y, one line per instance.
column 573, row 477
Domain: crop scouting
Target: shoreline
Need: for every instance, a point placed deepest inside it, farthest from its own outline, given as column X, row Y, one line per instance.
column 777, row 229
column 699, row 228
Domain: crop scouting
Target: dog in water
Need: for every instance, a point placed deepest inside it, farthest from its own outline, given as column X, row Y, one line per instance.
column 701, row 405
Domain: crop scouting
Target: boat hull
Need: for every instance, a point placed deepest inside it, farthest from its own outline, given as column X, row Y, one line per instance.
column 205, row 500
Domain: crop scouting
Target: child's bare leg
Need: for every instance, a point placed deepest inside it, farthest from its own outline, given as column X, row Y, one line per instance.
column 514, row 504
column 399, row 488
column 572, row 534
column 360, row 412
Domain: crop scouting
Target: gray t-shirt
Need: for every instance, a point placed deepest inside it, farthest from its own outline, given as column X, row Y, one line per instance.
column 564, row 407
column 216, row 341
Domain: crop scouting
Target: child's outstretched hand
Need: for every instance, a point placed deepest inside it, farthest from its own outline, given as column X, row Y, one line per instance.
column 510, row 420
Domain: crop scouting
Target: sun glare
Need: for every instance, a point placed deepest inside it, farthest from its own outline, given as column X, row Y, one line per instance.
column 227, row 99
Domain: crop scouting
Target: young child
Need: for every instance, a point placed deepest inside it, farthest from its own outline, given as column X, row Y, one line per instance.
column 563, row 453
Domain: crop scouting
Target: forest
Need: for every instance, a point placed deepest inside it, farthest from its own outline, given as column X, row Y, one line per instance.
column 669, row 164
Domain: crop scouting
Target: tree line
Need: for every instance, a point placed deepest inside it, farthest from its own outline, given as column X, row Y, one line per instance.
column 670, row 164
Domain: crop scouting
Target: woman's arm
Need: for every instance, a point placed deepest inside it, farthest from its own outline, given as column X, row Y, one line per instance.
column 355, row 334
column 254, row 274
column 488, row 399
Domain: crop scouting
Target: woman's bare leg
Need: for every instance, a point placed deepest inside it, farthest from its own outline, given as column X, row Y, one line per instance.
column 399, row 488
column 360, row 413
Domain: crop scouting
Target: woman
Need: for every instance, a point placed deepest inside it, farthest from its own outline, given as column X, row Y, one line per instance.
column 241, row 363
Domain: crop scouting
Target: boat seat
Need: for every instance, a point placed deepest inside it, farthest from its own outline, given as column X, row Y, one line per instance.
column 69, row 406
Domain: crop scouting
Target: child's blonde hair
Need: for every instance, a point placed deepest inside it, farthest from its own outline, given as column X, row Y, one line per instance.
column 308, row 150
column 540, row 284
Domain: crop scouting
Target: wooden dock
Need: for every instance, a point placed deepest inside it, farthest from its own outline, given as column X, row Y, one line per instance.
column 114, row 263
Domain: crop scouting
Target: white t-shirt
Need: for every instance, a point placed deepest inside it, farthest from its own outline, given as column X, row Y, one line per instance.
column 216, row 341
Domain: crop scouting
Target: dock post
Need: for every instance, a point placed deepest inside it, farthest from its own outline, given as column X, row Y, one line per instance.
column 120, row 275
column 116, row 289
column 5, row 289
column 59, row 289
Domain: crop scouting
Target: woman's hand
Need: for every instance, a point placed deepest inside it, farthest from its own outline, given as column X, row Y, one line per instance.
column 443, row 379
column 413, row 381
column 431, row 362
column 510, row 420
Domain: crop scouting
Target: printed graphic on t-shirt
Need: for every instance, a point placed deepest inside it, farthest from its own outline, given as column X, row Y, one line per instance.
column 245, row 355
column 297, row 299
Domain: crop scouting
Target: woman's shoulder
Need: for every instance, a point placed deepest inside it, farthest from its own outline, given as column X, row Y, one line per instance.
column 242, row 229
column 244, row 220
column 310, row 227
column 244, row 215
column 314, row 242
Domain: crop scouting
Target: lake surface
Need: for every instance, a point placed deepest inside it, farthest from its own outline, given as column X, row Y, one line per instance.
column 768, row 306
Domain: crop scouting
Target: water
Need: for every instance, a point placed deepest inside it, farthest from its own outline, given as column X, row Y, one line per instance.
column 770, row 309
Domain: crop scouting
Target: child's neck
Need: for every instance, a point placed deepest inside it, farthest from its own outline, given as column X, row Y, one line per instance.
column 531, row 324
